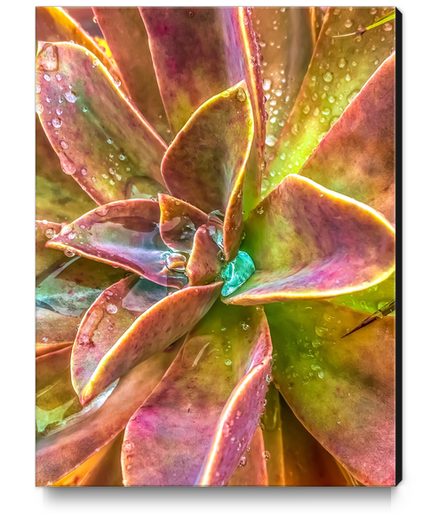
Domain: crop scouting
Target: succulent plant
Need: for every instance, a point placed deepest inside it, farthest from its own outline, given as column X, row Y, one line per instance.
column 215, row 247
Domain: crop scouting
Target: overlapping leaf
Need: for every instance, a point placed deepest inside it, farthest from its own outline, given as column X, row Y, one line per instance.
column 106, row 321
column 54, row 24
column 295, row 458
column 286, row 40
column 179, row 221
column 102, row 469
column 193, row 429
column 198, row 52
column 341, row 389
column 252, row 470
column 100, row 139
column 306, row 241
column 61, row 452
column 205, row 165
column 357, row 157
column 338, row 70
column 204, row 265
column 123, row 234
column 125, row 33
column 154, row 330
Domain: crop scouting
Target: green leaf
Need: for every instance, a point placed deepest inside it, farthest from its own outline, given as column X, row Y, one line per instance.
column 307, row 241
column 61, row 452
column 339, row 69
column 357, row 156
column 198, row 422
column 154, row 330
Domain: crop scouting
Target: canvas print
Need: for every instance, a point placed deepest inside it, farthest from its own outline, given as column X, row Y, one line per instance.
column 215, row 246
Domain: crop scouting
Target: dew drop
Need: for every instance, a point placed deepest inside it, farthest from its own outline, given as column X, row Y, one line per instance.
column 70, row 96
column 56, row 122
column 241, row 95
column 387, row 27
column 328, row 77
column 111, row 309
column 69, row 253
column 342, row 63
column 266, row 455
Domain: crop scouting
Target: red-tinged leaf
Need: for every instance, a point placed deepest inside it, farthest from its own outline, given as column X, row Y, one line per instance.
column 102, row 469
column 204, row 264
column 197, row 53
column 157, row 328
column 198, row 422
column 125, row 33
column 58, row 197
column 54, row 331
column 123, row 234
column 100, row 139
column 357, row 157
column 307, row 241
column 338, row 70
column 45, row 258
column 106, row 321
column 341, row 389
column 286, row 41
column 55, row 25
column 60, row 453
column 205, row 165
column 179, row 222
column 252, row 468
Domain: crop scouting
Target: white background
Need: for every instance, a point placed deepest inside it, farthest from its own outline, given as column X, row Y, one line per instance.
column 17, row 308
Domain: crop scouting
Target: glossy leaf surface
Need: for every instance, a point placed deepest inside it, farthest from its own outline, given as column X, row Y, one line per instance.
column 106, row 321
column 194, row 429
column 123, row 234
column 286, row 42
column 125, row 33
column 307, row 241
column 100, row 139
column 339, row 69
column 179, row 221
column 204, row 265
column 60, row 453
column 205, row 165
column 153, row 331
column 341, row 389
column 199, row 52
column 357, row 157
